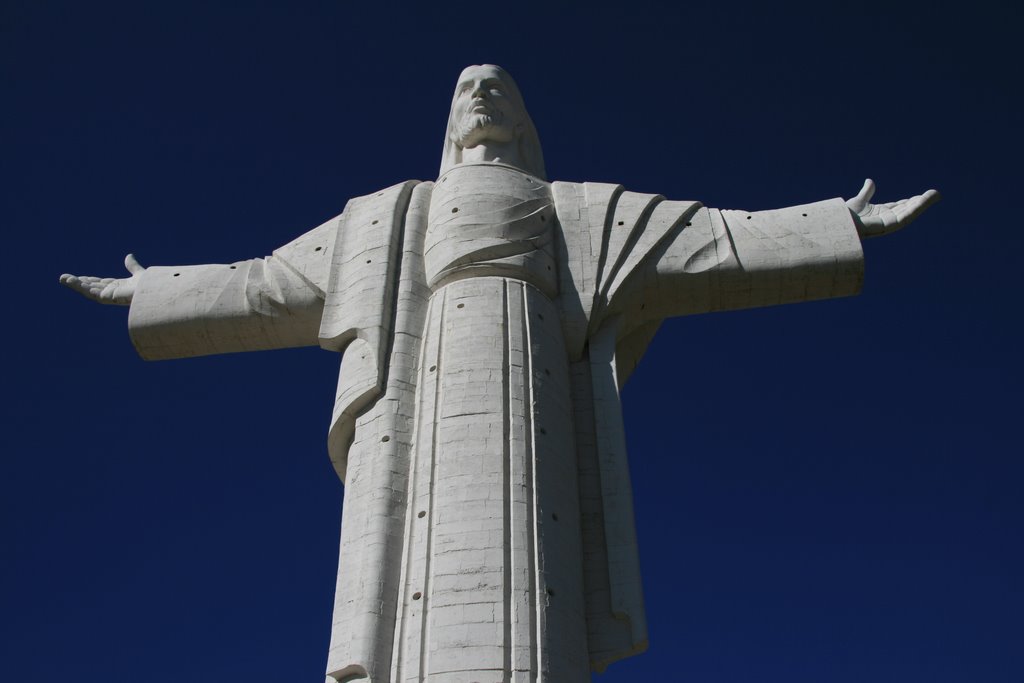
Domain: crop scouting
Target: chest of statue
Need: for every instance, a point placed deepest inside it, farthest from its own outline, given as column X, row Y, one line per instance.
column 491, row 220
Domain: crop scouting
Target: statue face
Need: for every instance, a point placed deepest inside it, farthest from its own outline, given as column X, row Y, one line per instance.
column 484, row 109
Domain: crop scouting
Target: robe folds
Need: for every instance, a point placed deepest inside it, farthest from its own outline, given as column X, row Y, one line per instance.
column 477, row 427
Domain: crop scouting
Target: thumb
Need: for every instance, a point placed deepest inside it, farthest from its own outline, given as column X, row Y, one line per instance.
column 132, row 265
column 867, row 192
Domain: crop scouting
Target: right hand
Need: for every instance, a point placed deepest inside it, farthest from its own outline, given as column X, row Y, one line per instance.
column 880, row 219
column 107, row 290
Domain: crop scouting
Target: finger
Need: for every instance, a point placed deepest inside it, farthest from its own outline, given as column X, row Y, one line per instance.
column 85, row 282
column 867, row 192
column 89, row 280
column 910, row 209
column 106, row 294
column 132, row 265
column 83, row 287
column 81, row 284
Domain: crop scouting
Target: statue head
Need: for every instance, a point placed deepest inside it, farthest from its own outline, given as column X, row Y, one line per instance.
column 487, row 109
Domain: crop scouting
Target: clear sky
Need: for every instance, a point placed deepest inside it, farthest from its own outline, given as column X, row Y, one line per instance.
column 825, row 492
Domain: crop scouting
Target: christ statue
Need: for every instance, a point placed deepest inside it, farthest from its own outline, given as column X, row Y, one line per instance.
column 487, row 321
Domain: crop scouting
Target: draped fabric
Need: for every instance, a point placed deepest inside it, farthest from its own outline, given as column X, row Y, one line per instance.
column 487, row 323
column 496, row 257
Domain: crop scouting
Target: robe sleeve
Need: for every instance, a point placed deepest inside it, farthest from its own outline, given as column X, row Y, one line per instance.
column 719, row 260
column 270, row 303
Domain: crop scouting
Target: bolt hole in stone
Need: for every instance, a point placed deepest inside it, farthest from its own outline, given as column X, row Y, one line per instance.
column 385, row 439
column 748, row 218
column 455, row 210
column 177, row 274
column 374, row 223
column 318, row 249
column 369, row 260
column 417, row 596
column 422, row 514
column 233, row 267
column 804, row 215
column 461, row 306
column 622, row 222
column 689, row 224
column 433, row 367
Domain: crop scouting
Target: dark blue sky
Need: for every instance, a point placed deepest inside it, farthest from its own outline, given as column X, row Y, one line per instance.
column 825, row 492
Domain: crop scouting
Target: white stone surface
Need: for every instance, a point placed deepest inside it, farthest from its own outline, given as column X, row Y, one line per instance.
column 487, row 322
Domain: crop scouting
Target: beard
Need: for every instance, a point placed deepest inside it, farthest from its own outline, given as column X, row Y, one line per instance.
column 475, row 128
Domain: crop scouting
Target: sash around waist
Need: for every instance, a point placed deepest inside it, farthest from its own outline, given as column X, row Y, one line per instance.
column 534, row 272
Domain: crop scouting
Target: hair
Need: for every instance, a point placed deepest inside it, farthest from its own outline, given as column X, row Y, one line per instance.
column 529, row 143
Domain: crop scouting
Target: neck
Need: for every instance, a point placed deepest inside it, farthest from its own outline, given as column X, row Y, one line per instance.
column 504, row 152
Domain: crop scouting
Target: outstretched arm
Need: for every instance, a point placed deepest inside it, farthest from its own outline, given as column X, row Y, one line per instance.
column 252, row 305
column 721, row 259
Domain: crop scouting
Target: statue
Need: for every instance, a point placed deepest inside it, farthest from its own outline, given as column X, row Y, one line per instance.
column 487, row 321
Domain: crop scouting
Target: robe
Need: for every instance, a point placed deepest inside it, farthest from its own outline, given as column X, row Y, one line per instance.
column 487, row 523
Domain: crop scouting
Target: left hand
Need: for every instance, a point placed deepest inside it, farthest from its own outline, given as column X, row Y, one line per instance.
column 881, row 219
